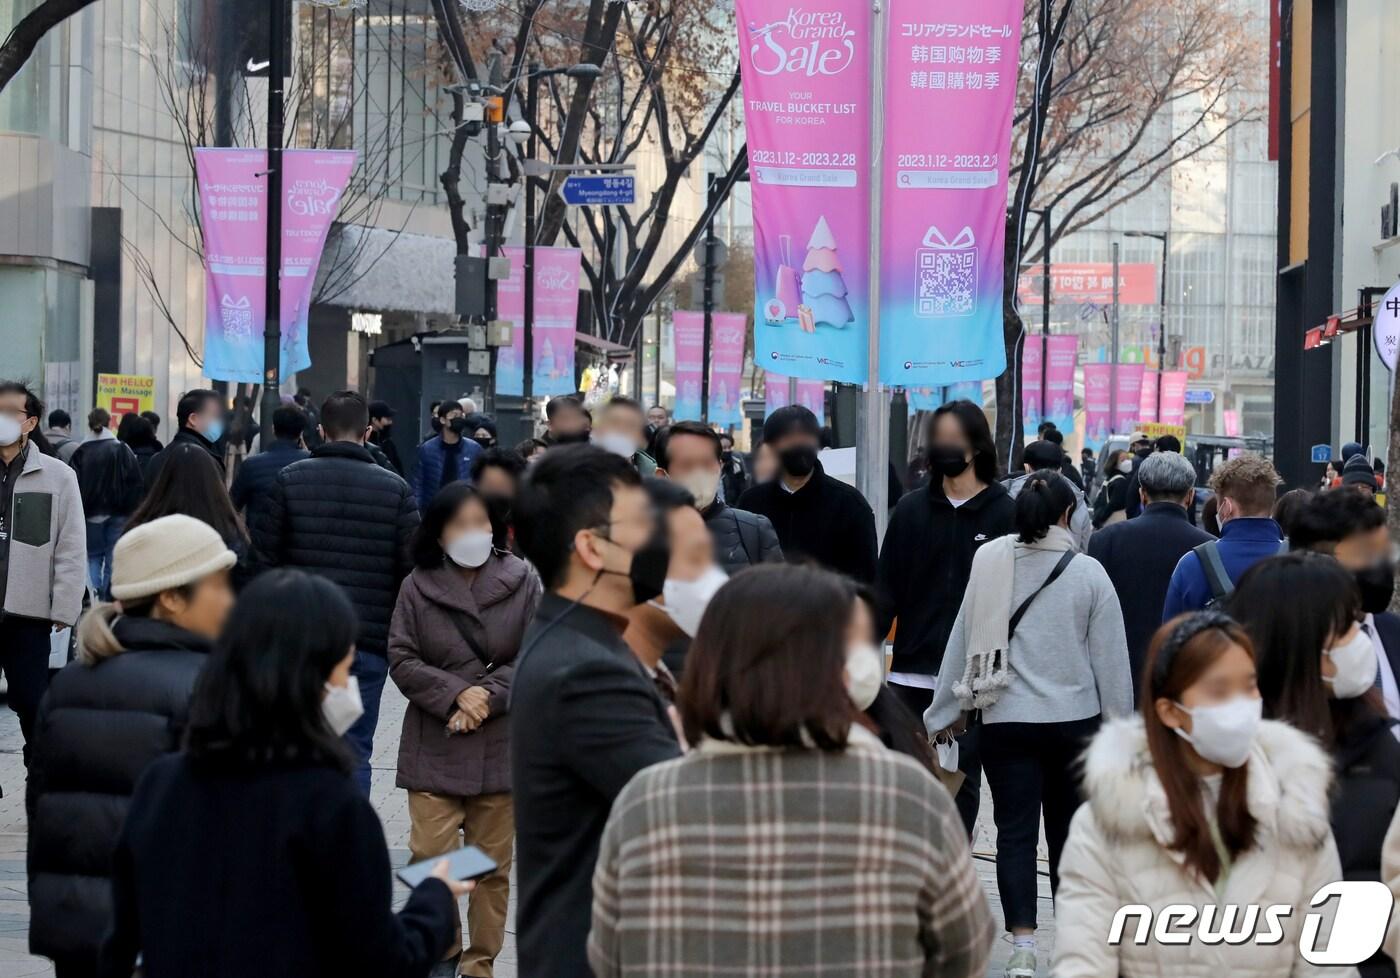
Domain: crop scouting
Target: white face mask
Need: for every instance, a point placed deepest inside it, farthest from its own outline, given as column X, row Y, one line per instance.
column 618, row 444
column 10, row 430
column 1223, row 733
column 469, row 549
column 703, row 485
column 1126, row 466
column 865, row 674
column 686, row 601
column 342, row 706
column 1355, row 662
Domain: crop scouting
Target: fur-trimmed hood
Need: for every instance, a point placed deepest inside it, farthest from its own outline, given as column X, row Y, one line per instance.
column 1289, row 779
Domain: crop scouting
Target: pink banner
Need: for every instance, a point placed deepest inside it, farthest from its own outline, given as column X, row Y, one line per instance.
column 1098, row 403
column 1032, row 375
column 950, row 88
column 727, row 368
column 1147, row 403
column 1130, row 377
column 556, row 322
column 806, row 76
column 811, row 394
column 1174, row 397
column 1232, row 423
column 690, row 348
column 1064, row 356
column 1089, row 282
column 233, row 215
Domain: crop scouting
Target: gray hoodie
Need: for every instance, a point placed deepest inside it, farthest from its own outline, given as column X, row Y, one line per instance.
column 1081, row 523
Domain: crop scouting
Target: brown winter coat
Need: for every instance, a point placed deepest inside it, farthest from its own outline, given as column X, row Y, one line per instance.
column 431, row 663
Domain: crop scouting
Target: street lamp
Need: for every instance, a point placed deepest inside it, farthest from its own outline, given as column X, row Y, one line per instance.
column 1162, row 327
column 528, row 128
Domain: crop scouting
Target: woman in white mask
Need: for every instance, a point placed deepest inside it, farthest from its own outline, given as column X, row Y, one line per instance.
column 456, row 630
column 1201, row 803
column 1319, row 670
column 256, row 836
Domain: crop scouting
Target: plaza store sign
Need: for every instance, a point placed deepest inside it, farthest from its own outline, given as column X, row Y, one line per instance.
column 1386, row 331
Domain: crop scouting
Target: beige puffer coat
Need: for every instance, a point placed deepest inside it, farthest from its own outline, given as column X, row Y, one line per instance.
column 1117, row 853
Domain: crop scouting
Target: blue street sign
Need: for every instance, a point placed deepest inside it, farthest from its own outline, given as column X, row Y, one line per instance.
column 602, row 190
column 1198, row 395
column 1322, row 453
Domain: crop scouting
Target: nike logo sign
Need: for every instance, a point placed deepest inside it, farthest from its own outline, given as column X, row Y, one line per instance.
column 980, row 537
column 256, row 66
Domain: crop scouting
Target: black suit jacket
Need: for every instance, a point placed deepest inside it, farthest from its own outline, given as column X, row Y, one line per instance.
column 826, row 521
column 1140, row 555
column 1388, row 628
column 584, row 718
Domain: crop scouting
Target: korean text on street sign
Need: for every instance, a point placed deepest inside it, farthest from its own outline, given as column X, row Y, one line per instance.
column 1200, row 395
column 599, row 191
column 1322, row 453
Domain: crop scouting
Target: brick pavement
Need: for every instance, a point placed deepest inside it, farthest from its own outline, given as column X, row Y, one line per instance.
column 392, row 805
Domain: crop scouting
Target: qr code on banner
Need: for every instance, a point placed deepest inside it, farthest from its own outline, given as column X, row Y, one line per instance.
column 236, row 318
column 947, row 282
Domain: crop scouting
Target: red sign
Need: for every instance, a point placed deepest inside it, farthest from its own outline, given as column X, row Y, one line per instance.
column 1312, row 339
column 1090, row 282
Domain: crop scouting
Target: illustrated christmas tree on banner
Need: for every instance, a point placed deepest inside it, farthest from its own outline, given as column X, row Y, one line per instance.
column 823, row 288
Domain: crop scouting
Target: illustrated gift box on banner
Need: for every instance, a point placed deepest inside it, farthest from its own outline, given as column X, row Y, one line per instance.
column 947, row 274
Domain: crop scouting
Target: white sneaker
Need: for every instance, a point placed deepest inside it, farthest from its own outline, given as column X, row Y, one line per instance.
column 1021, row 964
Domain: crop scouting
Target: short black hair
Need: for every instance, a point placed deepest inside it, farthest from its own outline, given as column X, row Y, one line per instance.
column 569, row 489
column 1167, row 443
column 427, row 552
column 152, row 417
column 289, row 422
column 507, row 460
column 555, row 404
column 527, row 448
column 192, row 403
column 33, row 407
column 344, row 414
column 790, row 419
column 697, row 428
column 1043, row 427
column 444, row 408
column 59, row 418
column 973, row 421
column 667, row 495
column 1054, row 436
column 1043, row 454
column 380, row 409
column 1330, row 517
column 1045, row 497
column 619, row 400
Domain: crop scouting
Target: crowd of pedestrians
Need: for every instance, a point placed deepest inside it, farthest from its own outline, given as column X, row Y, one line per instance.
column 646, row 674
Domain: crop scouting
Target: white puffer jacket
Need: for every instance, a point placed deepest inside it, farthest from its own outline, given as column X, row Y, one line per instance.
column 1118, row 854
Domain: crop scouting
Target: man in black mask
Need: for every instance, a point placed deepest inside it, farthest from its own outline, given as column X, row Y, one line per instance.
column 568, row 421
column 816, row 517
column 1350, row 526
column 446, row 457
column 585, row 715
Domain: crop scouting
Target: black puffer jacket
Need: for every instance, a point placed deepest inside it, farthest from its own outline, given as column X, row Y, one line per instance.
column 340, row 515
column 741, row 538
column 99, row 728
column 109, row 478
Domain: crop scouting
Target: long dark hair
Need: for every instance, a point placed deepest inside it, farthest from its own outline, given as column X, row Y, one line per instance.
column 258, row 699
column 189, row 483
column 973, row 422
column 136, row 431
column 1294, row 606
column 1171, row 667
column 1042, row 501
column 766, row 665
column 427, row 551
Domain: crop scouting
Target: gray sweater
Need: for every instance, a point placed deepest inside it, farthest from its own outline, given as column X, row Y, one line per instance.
column 1069, row 656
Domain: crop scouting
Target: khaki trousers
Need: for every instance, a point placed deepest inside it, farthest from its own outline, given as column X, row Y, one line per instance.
column 443, row 823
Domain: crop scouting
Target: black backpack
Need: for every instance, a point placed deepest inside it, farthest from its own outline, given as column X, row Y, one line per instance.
column 1221, row 587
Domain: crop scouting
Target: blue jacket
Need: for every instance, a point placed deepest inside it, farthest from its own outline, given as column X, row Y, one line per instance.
column 257, row 474
column 1244, row 542
column 432, row 456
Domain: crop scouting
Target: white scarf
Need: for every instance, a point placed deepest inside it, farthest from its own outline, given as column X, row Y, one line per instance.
column 987, row 616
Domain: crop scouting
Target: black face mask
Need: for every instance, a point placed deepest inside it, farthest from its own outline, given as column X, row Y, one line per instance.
column 458, row 425
column 485, row 441
column 571, row 438
column 947, row 460
column 649, row 566
column 798, row 461
column 1377, row 584
column 437, row 425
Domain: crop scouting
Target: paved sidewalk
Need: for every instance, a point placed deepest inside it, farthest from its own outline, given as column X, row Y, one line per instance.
column 392, row 805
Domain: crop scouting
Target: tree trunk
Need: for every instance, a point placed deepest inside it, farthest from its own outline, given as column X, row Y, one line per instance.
column 30, row 31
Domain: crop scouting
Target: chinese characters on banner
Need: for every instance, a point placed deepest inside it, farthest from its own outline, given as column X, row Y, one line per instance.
column 806, row 82
column 730, row 330
column 1098, row 391
column 233, row 214
column 811, row 394
column 556, row 320
column 1130, row 384
column 950, row 88
column 690, row 348
column 1057, row 401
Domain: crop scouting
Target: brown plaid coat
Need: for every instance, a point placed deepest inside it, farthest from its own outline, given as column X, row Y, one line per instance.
column 737, row 861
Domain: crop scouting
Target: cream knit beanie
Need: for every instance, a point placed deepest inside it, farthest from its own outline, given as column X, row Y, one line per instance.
column 166, row 553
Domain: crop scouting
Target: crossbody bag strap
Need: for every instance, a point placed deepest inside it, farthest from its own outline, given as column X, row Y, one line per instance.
column 1217, row 577
column 459, row 620
column 1025, row 605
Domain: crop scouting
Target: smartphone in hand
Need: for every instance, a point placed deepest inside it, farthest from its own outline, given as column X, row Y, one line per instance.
column 467, row 863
